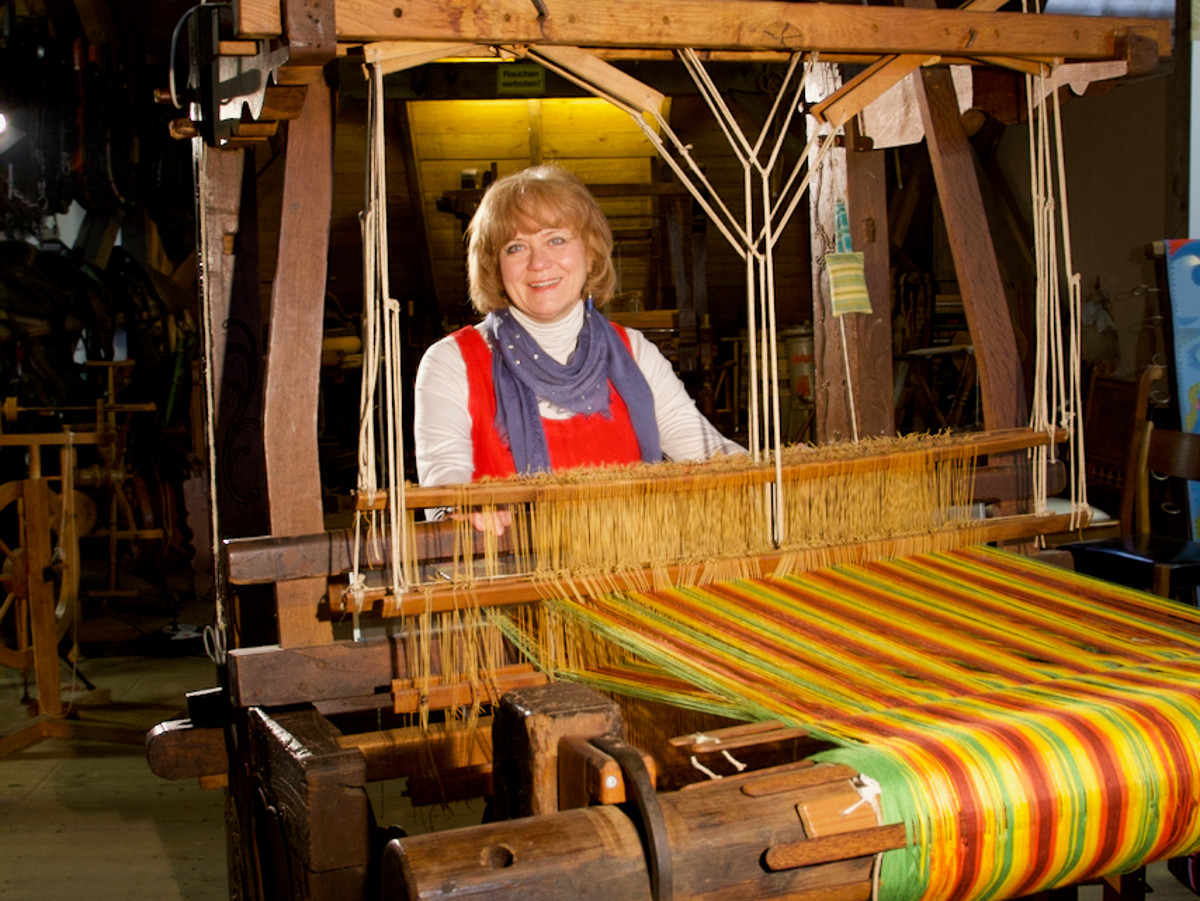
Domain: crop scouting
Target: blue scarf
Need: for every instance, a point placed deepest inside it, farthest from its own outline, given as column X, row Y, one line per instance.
column 523, row 373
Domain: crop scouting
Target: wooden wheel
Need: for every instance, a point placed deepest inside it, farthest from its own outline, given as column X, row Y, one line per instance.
column 15, row 572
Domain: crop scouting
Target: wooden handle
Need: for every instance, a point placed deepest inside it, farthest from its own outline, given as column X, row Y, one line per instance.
column 829, row 848
column 819, row 774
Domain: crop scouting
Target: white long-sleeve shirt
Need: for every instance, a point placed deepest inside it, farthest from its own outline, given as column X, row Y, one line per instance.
column 442, row 418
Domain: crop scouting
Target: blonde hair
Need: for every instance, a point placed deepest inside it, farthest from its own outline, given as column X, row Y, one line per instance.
column 530, row 200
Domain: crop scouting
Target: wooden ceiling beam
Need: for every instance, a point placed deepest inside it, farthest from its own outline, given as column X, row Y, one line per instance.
column 744, row 25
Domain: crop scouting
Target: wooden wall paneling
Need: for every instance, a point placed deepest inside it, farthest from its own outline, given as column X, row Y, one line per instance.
column 588, row 128
column 473, row 149
column 536, row 131
column 407, row 226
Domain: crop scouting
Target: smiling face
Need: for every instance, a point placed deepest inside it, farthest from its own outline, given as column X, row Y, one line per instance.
column 543, row 271
column 532, row 227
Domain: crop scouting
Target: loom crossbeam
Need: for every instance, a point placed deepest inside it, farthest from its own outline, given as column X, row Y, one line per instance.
column 738, row 25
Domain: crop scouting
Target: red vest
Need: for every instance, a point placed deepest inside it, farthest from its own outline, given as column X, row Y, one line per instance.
column 581, row 440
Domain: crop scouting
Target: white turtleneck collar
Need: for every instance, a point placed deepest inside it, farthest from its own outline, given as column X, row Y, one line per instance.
column 556, row 338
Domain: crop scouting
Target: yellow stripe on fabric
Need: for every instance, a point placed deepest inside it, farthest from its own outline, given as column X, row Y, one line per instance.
column 1085, row 597
column 1017, row 623
column 940, row 626
column 1028, row 733
column 1119, row 776
column 855, row 638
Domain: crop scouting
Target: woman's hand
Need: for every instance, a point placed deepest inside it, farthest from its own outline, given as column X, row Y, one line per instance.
column 497, row 521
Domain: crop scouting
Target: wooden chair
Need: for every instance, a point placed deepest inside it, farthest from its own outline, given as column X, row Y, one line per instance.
column 1114, row 417
column 1164, row 564
column 1113, row 422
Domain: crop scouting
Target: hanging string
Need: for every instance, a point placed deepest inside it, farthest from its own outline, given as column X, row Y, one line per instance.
column 1057, row 390
column 754, row 243
column 381, row 362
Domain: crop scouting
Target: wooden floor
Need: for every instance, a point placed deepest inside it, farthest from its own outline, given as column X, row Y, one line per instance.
column 87, row 819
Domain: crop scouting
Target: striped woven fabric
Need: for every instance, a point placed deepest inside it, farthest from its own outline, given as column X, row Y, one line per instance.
column 1032, row 727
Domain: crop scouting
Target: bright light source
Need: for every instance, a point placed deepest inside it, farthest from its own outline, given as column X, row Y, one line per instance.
column 3, row 123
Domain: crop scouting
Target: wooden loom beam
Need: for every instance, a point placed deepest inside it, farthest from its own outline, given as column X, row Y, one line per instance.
column 297, row 326
column 730, row 25
column 706, row 841
column 269, row 559
column 1001, row 441
column 975, row 264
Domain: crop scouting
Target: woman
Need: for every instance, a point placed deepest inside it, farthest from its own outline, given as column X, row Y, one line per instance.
column 545, row 382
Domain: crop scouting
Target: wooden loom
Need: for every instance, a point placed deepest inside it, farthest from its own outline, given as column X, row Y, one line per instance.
column 300, row 821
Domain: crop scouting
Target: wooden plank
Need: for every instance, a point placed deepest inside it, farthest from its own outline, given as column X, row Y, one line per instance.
column 452, row 785
column 391, row 753
column 841, row 809
column 820, row 774
column 36, row 526
column 870, row 334
column 565, row 146
column 410, row 695
column 256, row 561
column 177, row 749
column 878, row 78
column 606, row 77
column 447, row 117
column 272, row 676
column 315, row 787
column 57, row 439
column 294, row 353
column 867, row 87
column 1001, row 379
column 395, row 56
column 700, row 476
column 586, row 775
column 843, row 846
column 733, row 25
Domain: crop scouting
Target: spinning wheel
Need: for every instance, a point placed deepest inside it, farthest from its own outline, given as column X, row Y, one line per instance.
column 59, row 530
column 41, row 583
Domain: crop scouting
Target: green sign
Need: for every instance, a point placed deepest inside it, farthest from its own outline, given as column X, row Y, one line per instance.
column 520, row 80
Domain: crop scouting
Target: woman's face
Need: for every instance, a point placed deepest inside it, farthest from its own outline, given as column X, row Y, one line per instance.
column 544, row 272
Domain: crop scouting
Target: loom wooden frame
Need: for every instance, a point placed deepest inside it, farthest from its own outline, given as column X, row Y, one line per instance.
column 316, row 783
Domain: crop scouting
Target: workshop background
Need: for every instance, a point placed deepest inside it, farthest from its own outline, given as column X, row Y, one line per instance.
column 99, row 323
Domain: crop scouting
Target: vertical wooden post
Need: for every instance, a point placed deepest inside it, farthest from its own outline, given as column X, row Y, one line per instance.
column 1002, row 383
column 294, row 354
column 858, row 179
column 525, row 733
column 871, row 335
column 41, row 596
